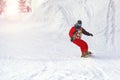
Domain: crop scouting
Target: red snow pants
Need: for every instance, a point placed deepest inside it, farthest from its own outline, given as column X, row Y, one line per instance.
column 82, row 44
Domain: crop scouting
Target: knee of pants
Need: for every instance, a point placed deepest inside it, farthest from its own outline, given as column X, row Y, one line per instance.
column 84, row 49
column 82, row 44
column 85, row 45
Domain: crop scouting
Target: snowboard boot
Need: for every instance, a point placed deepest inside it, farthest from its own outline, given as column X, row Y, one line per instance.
column 84, row 54
column 89, row 52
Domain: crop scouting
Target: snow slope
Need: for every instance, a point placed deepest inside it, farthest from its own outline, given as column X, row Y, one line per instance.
column 36, row 46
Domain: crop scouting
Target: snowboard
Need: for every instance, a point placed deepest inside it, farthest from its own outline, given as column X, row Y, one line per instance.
column 89, row 54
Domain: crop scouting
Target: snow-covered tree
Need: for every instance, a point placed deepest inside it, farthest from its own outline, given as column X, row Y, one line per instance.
column 2, row 6
column 23, row 7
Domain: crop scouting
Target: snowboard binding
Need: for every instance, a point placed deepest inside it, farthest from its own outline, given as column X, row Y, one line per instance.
column 86, row 54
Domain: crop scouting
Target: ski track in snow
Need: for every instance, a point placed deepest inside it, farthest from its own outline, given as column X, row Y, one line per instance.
column 79, row 69
column 37, row 70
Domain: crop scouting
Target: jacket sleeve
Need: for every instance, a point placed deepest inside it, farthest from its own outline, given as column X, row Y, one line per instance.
column 72, row 31
column 85, row 32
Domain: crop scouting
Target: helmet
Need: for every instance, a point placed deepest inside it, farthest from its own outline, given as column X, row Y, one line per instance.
column 78, row 24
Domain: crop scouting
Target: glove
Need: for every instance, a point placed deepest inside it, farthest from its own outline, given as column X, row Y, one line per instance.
column 71, row 39
column 91, row 34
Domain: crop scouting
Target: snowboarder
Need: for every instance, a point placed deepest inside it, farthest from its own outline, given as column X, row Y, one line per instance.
column 75, row 34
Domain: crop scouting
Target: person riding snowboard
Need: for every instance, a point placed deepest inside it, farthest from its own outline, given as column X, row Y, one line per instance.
column 75, row 34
